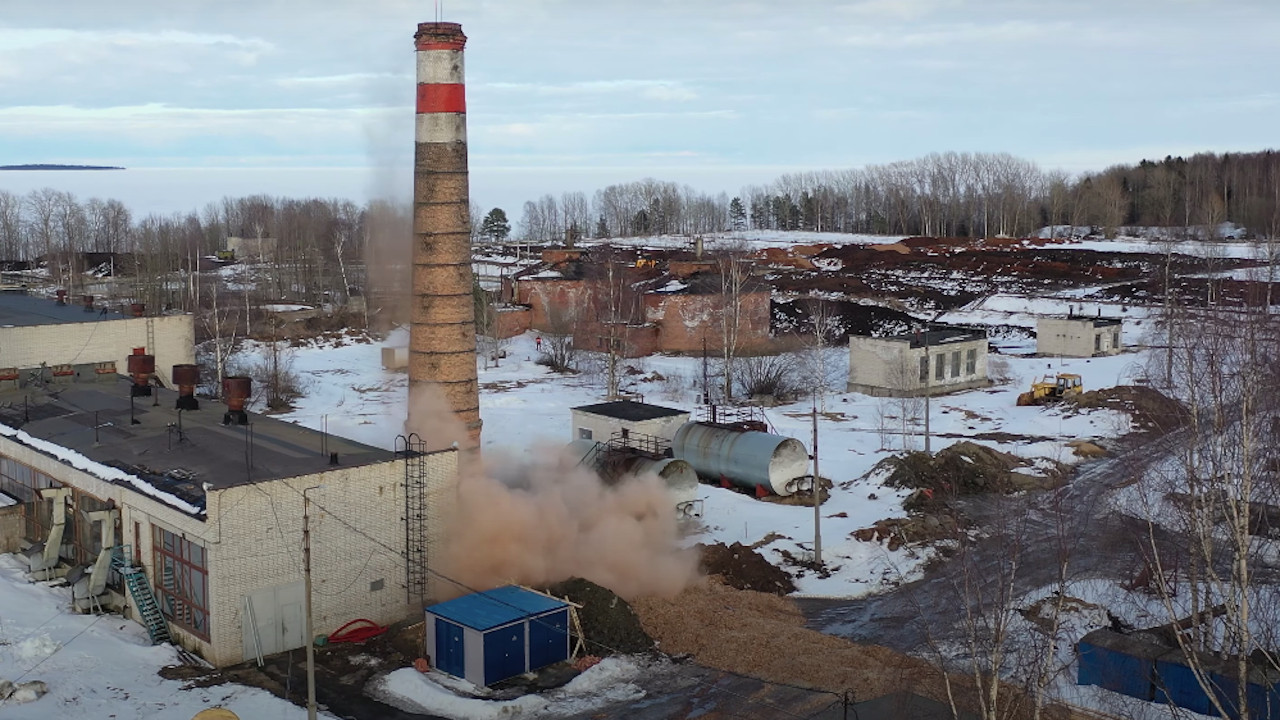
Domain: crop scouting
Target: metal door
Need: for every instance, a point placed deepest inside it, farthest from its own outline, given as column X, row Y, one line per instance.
column 450, row 655
column 273, row 619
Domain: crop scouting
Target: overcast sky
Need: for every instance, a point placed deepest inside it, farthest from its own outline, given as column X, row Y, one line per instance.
column 573, row 94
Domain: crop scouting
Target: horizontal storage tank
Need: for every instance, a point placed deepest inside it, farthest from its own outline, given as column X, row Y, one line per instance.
column 746, row 458
column 680, row 477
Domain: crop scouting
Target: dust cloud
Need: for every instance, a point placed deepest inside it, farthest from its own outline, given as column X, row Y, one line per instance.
column 541, row 519
column 433, row 420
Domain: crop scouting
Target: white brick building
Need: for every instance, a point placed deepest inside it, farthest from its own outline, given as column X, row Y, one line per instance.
column 214, row 513
column 36, row 331
column 1075, row 336
column 938, row 361
column 599, row 422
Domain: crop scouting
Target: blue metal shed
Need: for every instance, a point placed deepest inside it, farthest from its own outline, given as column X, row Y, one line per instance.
column 490, row 636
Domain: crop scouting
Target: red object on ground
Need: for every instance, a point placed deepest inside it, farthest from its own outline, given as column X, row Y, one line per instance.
column 422, row 665
column 357, row 631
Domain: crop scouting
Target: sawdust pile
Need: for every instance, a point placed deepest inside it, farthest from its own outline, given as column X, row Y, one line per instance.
column 764, row 636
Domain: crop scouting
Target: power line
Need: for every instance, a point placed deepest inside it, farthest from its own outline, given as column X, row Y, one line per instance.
column 710, row 685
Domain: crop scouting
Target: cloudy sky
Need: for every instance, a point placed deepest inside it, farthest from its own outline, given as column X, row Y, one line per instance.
column 574, row 94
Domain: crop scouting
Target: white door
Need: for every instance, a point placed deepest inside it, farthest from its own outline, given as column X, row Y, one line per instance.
column 273, row 620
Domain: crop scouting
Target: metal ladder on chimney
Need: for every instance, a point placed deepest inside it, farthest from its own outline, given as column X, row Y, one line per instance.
column 143, row 598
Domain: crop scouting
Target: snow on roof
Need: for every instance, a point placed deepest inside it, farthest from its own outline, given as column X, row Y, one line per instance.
column 98, row 470
column 7, row 500
column 543, row 274
column 285, row 307
column 672, row 286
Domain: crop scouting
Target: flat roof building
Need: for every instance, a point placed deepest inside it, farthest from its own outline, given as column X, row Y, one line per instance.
column 938, row 361
column 599, row 422
column 1075, row 336
column 207, row 516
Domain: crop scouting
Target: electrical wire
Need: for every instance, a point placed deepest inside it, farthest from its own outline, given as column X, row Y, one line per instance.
column 710, row 685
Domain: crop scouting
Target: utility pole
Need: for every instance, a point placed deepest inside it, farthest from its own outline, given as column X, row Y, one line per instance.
column 928, row 391
column 306, row 574
column 817, row 493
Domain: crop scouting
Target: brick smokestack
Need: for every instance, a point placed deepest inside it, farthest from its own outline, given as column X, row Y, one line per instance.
column 442, row 339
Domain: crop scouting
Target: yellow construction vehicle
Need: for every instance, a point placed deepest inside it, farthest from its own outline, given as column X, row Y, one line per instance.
column 1052, row 389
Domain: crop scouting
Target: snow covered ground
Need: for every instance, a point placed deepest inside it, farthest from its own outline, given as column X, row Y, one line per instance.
column 100, row 666
column 526, row 407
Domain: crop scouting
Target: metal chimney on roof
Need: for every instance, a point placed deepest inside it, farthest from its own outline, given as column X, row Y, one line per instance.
column 186, row 377
column 62, row 296
column 442, row 338
column 138, row 309
column 236, row 390
column 141, row 368
column 87, row 300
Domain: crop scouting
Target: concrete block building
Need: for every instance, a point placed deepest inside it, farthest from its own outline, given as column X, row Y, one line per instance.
column 1075, row 336
column 937, row 361
column 601, row 421
column 211, row 510
column 59, row 339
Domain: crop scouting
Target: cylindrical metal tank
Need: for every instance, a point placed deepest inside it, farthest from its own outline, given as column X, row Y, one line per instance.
column 746, row 458
column 236, row 389
column 679, row 476
column 141, row 364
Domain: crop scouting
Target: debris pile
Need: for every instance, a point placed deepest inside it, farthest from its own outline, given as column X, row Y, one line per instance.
column 743, row 568
column 1152, row 412
column 608, row 622
column 896, row 532
column 964, row 468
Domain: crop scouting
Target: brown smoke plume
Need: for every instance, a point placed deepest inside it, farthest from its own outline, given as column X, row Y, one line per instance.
column 541, row 520
column 431, row 417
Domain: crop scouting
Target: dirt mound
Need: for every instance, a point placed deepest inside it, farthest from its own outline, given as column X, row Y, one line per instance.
column 608, row 622
column 1152, row 411
column 745, row 569
column 964, row 468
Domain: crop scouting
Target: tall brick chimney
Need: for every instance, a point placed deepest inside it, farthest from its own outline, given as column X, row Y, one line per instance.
column 442, row 340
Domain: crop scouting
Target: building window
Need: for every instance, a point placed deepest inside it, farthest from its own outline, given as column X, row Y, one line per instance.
column 626, row 433
column 22, row 483
column 1097, row 342
column 924, row 368
column 1115, row 340
column 955, row 364
column 181, row 580
column 584, row 433
column 939, row 367
column 971, row 362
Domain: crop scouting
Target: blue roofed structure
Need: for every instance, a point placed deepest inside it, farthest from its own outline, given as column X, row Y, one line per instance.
column 492, row 608
column 491, row 636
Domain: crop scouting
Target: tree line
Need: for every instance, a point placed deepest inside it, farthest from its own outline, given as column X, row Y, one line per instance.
column 941, row 194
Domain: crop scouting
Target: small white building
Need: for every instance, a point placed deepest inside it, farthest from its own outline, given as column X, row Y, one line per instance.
column 197, row 519
column 626, row 418
column 1075, row 336
column 941, row 360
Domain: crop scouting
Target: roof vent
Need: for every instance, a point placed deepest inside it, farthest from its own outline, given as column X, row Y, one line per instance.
column 141, row 368
column 62, row 297
column 138, row 309
column 87, row 301
column 186, row 377
column 236, row 390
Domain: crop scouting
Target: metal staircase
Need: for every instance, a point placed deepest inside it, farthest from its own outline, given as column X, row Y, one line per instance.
column 144, row 600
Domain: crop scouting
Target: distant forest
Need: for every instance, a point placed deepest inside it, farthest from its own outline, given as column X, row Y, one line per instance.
column 942, row 194
column 948, row 194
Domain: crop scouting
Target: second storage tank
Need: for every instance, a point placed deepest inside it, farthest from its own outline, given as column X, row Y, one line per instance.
column 746, row 458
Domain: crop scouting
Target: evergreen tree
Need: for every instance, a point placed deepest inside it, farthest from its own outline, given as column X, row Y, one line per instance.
column 496, row 227
column 737, row 215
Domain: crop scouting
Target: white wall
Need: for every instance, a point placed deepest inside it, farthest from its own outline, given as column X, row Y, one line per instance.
column 101, row 341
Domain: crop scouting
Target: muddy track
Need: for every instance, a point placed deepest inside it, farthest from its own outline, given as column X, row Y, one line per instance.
column 1098, row 541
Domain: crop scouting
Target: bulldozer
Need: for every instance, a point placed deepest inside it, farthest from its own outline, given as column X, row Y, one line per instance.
column 1050, row 389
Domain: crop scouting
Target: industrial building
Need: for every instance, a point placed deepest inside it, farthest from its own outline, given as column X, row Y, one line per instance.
column 1075, row 336
column 490, row 636
column 936, row 361
column 190, row 520
column 602, row 421
column 57, row 339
